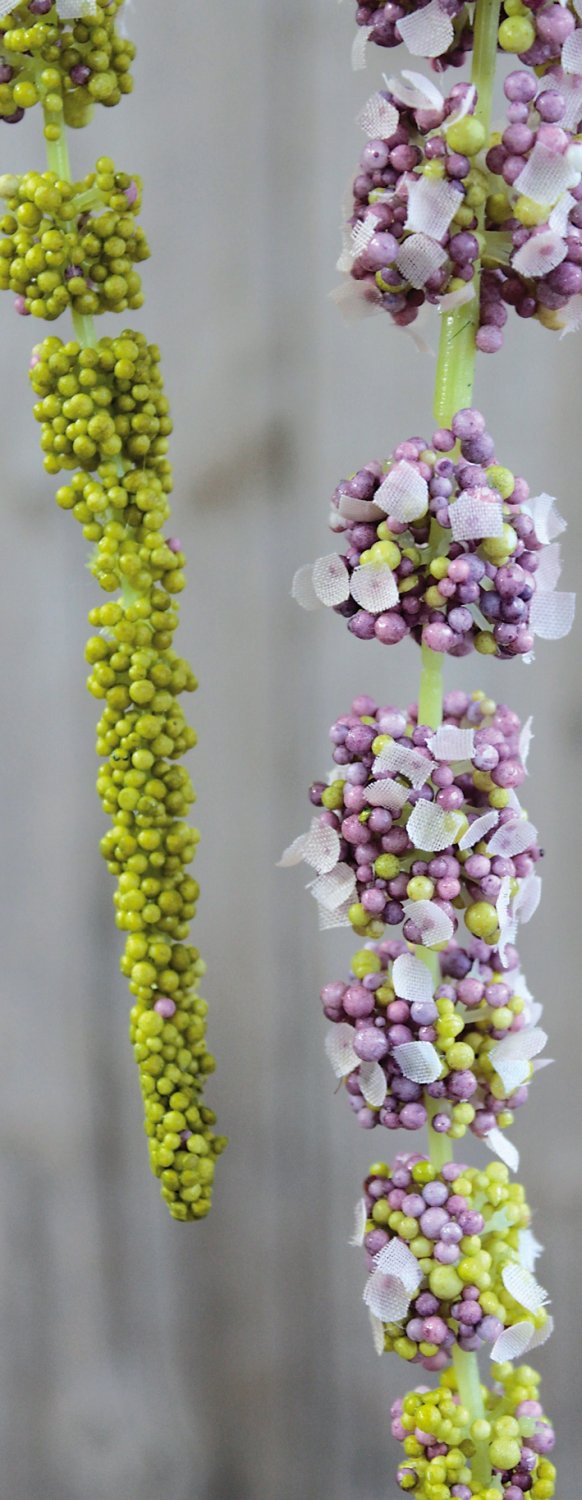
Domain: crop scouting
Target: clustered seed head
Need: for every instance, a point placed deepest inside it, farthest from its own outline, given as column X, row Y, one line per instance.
column 404, row 262
column 462, row 1226
column 377, row 845
column 104, row 415
column 456, row 579
column 68, row 66
column 533, row 29
column 464, row 1020
column 72, row 245
column 440, row 1440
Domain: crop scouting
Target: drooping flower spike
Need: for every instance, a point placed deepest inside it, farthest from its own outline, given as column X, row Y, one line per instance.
column 403, row 1043
column 448, row 1262
column 447, row 548
column 421, row 829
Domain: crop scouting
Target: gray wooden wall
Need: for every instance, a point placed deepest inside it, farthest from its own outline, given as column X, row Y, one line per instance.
column 232, row 1360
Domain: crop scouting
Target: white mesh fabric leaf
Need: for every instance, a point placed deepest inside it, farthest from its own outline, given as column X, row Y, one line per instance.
column 528, row 898
column 6, row 6
column 332, row 890
column 560, row 215
column 418, row 1061
column 401, row 761
column 511, row 1057
column 339, row 1046
column 403, row 494
column 571, row 316
column 474, row 515
column 431, row 828
column 529, row 1248
column 412, row 979
column 549, row 568
column 70, row 10
column 432, row 203
column 356, row 300
column 572, row 53
column 353, row 509
column 396, row 1259
column 513, row 837
column 414, row 90
column 458, row 298
column 362, row 233
column 378, row 119
column 388, row 794
column 377, row 1327
column 551, row 616
column 427, row 32
column 545, row 176
column 540, row 254
column 360, row 47
column 302, row 589
column 331, row 580
column 294, row 853
column 523, row 1287
column 373, row 1085
column 451, row 743
column 513, row 1343
column 507, row 924
column 386, row 1297
column 498, row 1143
column 433, row 924
column 466, row 107
column 478, row 829
column 374, row 587
column 360, row 1220
column 418, row 258
column 543, row 511
column 333, row 919
column 525, row 739
column 322, row 847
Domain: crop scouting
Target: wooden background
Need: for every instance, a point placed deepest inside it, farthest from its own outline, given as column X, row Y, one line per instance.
column 232, row 1360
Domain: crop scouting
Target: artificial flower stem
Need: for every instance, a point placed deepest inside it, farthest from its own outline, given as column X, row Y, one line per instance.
column 440, row 1146
column 430, row 698
column 466, row 1369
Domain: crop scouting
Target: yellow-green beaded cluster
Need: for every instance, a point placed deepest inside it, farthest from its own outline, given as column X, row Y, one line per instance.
column 440, row 1438
column 104, row 415
column 67, row 66
column 72, row 245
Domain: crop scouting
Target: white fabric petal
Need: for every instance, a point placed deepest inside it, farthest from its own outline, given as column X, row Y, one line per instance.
column 361, row 235
column 458, row 298
column 70, row 10
column 427, row 32
column 388, row 794
column 373, row 1085
column 386, row 1297
column 374, row 587
column 353, row 509
column 450, row 743
column 529, row 1248
column 546, row 175
column 418, row 1061
column 414, row 90
column 339, row 1046
column 551, row 616
column 523, row 1287
column 431, row 828
column 560, row 215
column 331, row 580
column 332, row 890
column 395, row 1259
column 302, row 589
column 377, row 1327
column 513, row 837
column 511, row 1057
column 294, row 853
column 549, row 568
column 432, row 922
column 360, row 47
column 525, row 739
column 432, row 203
column 571, row 316
column 513, row 1343
column 322, row 847
column 412, row 979
column 466, row 107
column 540, row 254
column 378, row 119
column 419, row 257
column 501, row 1147
column 360, row 1221
column 543, row 511
column 572, row 53
column 400, row 760
column 403, row 494
column 356, row 299
column 472, row 515
column 528, row 898
column 478, row 829
column 333, row 919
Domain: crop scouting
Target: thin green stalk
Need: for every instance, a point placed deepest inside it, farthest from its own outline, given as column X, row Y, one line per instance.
column 430, row 698
column 469, row 1387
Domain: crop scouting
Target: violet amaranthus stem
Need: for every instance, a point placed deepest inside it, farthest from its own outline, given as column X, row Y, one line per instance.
column 453, row 390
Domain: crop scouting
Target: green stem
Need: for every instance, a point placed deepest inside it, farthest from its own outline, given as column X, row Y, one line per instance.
column 430, row 698
column 469, row 1387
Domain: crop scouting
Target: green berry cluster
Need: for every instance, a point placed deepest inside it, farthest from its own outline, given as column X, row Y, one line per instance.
column 102, row 408
column 67, row 66
column 72, row 245
column 512, row 1422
